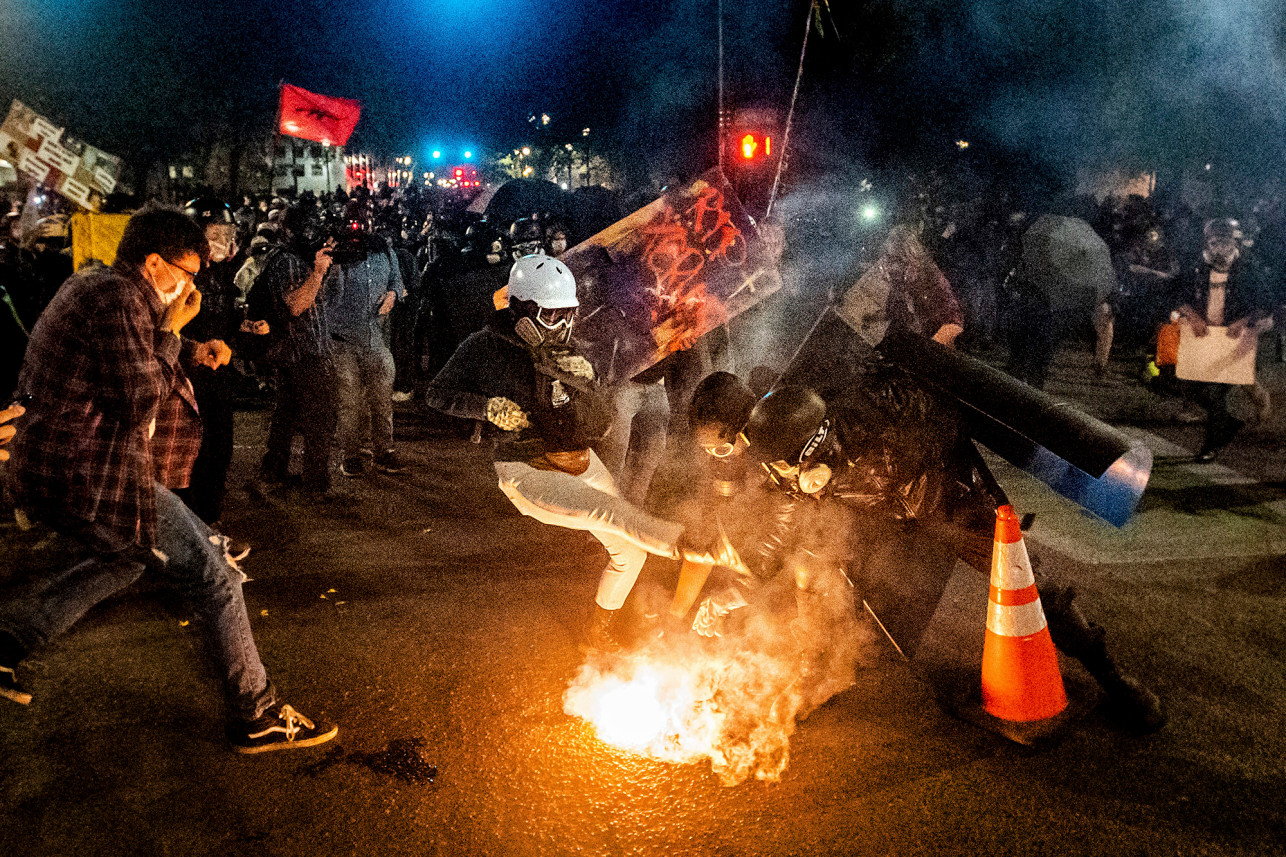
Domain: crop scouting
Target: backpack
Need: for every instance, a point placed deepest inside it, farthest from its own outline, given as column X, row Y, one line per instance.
column 262, row 304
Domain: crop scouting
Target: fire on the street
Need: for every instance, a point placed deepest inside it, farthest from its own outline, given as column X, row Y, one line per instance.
column 656, row 705
column 733, row 699
column 631, row 714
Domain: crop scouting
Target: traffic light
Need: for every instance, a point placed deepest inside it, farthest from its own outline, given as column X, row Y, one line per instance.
column 754, row 147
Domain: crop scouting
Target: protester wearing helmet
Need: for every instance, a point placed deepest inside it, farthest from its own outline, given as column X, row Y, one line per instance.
column 897, row 502
column 526, row 237
column 1222, row 292
column 301, row 353
column 220, row 319
column 522, row 379
column 360, row 291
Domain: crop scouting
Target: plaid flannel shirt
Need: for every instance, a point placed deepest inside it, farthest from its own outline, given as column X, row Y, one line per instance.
column 113, row 410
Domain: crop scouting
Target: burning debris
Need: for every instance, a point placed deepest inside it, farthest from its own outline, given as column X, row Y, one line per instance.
column 733, row 699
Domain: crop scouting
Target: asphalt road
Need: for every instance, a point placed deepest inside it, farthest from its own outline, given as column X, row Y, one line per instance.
column 439, row 629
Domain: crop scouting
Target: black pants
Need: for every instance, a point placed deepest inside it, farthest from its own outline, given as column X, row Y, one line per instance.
column 1221, row 425
column 1034, row 337
column 305, row 406
column 209, row 481
column 406, row 358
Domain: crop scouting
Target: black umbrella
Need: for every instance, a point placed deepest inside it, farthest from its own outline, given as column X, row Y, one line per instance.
column 524, row 197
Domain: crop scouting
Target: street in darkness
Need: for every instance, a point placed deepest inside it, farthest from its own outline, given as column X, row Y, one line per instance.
column 439, row 629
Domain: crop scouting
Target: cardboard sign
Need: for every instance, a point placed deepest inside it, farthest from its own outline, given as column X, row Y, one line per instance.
column 658, row 280
column 38, row 147
column 1216, row 357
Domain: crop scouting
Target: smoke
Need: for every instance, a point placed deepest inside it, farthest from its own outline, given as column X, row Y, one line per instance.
column 1101, row 81
column 827, row 237
column 735, row 699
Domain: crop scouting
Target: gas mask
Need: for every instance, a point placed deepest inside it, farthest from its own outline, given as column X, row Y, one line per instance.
column 1220, row 254
column 496, row 253
column 548, row 327
column 557, row 247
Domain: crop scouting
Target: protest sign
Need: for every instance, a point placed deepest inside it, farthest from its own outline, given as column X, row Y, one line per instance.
column 655, row 282
column 40, row 149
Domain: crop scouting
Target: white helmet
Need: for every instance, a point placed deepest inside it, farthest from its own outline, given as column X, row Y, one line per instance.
column 544, row 280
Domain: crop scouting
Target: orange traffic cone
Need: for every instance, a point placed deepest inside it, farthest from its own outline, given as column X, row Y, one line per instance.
column 1021, row 681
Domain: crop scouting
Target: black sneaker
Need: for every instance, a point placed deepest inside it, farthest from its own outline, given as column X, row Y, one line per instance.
column 388, row 462
column 354, row 467
column 279, row 728
column 10, row 689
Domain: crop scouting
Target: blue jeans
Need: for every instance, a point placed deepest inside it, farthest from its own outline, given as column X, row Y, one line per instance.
column 364, row 379
column 191, row 563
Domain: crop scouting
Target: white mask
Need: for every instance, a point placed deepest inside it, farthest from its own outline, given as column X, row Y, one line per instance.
column 171, row 296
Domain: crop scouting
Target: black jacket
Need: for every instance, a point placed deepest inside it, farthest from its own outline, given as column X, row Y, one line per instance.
column 566, row 412
column 1246, row 296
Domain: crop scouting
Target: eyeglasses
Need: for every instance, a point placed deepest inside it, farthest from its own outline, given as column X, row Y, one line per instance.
column 191, row 275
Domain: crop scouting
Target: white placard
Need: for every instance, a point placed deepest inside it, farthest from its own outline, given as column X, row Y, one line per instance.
column 58, row 157
column 106, row 181
column 1216, row 357
column 76, row 192
column 43, row 128
column 33, row 166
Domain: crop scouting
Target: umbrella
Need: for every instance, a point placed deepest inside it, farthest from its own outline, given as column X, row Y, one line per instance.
column 590, row 210
column 483, row 199
column 523, row 197
column 1066, row 260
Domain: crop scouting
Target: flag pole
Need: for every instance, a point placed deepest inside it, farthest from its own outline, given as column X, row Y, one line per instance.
column 720, row 122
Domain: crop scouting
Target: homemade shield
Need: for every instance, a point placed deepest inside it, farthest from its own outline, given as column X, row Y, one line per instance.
column 1081, row 458
column 656, row 281
column 95, row 237
column 40, row 149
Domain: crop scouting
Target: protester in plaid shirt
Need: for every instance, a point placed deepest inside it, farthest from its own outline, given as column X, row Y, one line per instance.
column 112, row 426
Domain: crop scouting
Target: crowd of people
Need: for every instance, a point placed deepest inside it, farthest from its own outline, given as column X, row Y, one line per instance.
column 346, row 305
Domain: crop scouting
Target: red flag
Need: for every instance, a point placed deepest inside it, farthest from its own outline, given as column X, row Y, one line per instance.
column 317, row 117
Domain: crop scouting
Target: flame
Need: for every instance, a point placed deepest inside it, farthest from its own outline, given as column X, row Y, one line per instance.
column 733, row 700
column 737, row 712
column 629, row 714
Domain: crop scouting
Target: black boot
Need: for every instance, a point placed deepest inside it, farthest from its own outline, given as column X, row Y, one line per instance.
column 1129, row 704
column 601, row 635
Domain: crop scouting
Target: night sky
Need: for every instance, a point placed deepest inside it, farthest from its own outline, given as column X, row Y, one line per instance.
column 1062, row 81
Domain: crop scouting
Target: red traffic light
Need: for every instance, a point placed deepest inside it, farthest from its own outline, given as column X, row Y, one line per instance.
column 753, row 147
